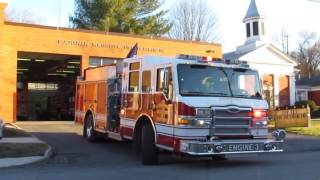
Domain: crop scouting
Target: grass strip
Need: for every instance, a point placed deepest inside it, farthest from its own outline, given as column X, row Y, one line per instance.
column 313, row 130
column 14, row 132
column 10, row 150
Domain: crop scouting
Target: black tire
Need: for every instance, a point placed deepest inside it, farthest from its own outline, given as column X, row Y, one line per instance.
column 88, row 132
column 136, row 145
column 148, row 146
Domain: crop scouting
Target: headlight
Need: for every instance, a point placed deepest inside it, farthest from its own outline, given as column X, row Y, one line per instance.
column 194, row 122
column 261, row 123
column 203, row 113
column 201, row 122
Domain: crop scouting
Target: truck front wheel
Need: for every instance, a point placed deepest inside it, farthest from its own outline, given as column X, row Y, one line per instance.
column 89, row 131
column 149, row 149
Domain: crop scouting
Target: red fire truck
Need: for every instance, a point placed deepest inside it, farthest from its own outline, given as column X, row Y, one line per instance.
column 187, row 105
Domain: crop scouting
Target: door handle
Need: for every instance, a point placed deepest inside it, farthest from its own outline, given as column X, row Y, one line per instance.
column 152, row 106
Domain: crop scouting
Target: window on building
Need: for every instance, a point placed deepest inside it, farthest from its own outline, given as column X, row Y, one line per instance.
column 255, row 28
column 99, row 61
column 248, row 30
column 302, row 95
column 43, row 86
column 146, row 81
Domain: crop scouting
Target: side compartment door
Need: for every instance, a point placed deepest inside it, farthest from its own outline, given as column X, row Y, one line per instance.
column 163, row 105
column 79, row 112
column 101, row 106
column 90, row 98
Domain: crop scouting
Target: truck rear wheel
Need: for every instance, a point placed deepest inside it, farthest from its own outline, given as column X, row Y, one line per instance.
column 89, row 133
column 149, row 149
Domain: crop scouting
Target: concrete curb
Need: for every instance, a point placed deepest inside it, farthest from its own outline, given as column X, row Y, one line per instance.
column 31, row 139
column 14, row 125
column 11, row 162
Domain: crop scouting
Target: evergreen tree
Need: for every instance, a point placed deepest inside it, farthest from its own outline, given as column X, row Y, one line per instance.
column 141, row 17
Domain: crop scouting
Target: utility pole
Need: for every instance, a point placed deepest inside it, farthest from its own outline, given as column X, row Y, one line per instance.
column 287, row 38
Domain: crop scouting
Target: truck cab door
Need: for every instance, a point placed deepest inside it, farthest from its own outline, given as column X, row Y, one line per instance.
column 146, row 91
column 131, row 97
column 163, row 114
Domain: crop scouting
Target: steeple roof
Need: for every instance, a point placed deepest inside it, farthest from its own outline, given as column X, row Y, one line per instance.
column 252, row 10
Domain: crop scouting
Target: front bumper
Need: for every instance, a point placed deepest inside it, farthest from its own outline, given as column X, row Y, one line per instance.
column 215, row 147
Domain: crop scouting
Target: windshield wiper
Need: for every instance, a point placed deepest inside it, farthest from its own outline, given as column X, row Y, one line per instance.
column 241, row 95
column 218, row 94
column 192, row 93
column 257, row 95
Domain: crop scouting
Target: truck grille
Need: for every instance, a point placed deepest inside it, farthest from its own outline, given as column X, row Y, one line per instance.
column 230, row 121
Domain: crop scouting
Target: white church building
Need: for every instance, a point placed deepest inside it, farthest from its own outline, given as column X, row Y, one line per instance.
column 276, row 69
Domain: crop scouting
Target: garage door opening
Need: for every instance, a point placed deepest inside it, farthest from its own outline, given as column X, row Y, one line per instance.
column 46, row 86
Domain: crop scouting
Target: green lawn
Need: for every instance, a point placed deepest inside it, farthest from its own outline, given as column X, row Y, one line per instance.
column 314, row 130
column 9, row 150
column 14, row 132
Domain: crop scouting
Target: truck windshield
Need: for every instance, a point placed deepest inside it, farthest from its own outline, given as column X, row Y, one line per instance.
column 204, row 80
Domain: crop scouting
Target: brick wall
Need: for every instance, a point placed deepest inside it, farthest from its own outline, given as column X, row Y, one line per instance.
column 16, row 37
column 315, row 96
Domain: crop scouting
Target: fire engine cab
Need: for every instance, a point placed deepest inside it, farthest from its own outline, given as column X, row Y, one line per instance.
column 187, row 105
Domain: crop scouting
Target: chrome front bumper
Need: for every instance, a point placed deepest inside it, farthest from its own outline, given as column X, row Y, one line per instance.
column 216, row 147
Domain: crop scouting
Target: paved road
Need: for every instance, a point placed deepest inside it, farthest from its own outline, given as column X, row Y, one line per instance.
column 77, row 159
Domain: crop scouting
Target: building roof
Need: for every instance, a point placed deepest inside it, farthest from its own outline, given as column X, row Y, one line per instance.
column 308, row 81
column 237, row 56
column 233, row 55
column 253, row 10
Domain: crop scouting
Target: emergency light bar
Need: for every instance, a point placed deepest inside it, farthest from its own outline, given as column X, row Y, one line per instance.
column 198, row 58
column 237, row 62
column 189, row 57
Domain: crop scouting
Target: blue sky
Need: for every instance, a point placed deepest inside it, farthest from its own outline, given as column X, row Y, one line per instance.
column 292, row 15
column 46, row 10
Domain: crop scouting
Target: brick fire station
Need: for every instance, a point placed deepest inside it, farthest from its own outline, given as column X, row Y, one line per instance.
column 39, row 64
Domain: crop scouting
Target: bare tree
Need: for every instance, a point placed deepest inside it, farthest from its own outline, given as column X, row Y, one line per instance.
column 22, row 16
column 193, row 20
column 308, row 54
column 282, row 39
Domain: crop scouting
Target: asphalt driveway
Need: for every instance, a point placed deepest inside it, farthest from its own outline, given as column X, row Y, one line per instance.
column 75, row 158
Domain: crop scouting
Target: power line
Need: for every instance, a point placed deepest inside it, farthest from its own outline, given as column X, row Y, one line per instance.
column 315, row 1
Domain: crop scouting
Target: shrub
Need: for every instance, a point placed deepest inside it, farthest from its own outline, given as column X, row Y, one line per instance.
column 313, row 106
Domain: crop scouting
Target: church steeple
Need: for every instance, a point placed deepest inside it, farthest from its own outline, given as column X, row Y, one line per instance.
column 255, row 24
column 252, row 10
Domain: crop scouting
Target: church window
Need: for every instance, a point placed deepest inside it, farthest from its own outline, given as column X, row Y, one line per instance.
column 255, row 29
column 248, row 29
